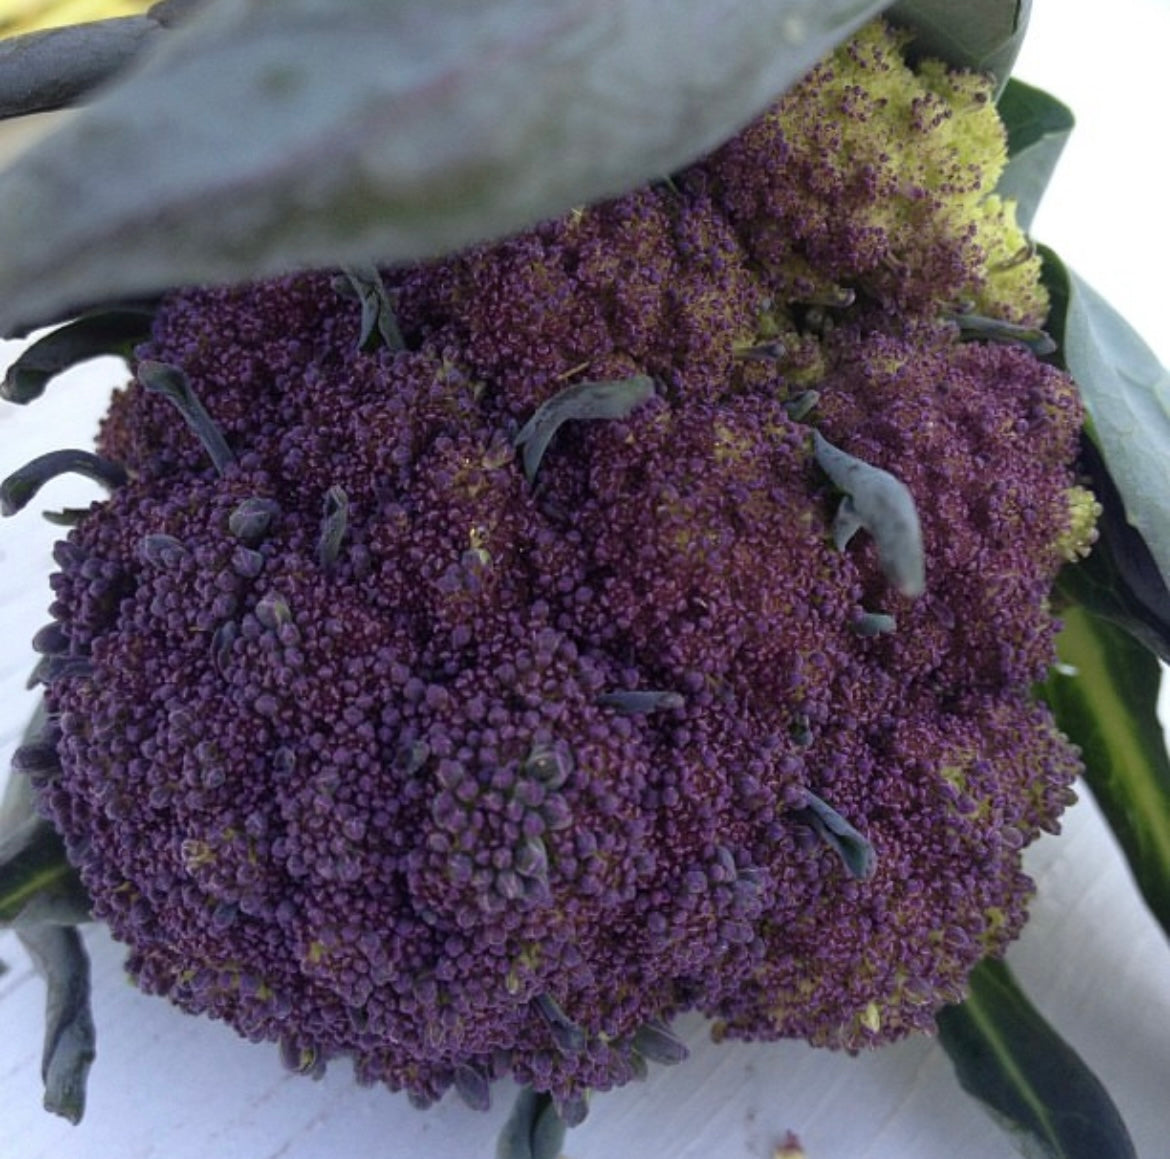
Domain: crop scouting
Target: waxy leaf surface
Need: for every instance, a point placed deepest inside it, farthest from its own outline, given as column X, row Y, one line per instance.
column 1034, row 1084
column 1038, row 126
column 1107, row 704
column 272, row 134
column 983, row 35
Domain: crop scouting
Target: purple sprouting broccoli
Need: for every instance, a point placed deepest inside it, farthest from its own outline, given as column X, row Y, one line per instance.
column 644, row 623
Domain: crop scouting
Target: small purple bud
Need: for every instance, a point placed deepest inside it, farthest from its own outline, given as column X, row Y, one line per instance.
column 51, row 640
column 221, row 646
column 550, row 764
column 532, row 858
column 37, row 761
column 247, row 563
column 556, row 813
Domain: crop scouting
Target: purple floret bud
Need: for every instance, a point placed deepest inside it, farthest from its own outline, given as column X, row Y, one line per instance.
column 375, row 769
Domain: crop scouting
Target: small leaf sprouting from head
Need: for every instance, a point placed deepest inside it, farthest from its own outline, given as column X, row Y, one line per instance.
column 856, row 853
column 22, row 485
column 612, row 399
column 172, row 383
column 883, row 505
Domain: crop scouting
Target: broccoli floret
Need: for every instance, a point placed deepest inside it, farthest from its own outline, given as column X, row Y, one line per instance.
column 374, row 743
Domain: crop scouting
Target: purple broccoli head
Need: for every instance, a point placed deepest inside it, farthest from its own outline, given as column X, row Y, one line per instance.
column 384, row 738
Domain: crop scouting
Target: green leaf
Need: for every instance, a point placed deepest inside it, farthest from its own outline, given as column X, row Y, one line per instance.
column 268, row 134
column 1107, row 706
column 983, row 35
column 1034, row 1084
column 42, row 896
column 1038, row 126
column 110, row 332
column 1120, row 580
column 534, row 1130
column 60, row 958
column 37, row 883
column 1126, row 391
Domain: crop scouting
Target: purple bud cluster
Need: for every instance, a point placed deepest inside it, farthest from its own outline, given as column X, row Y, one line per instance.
column 377, row 749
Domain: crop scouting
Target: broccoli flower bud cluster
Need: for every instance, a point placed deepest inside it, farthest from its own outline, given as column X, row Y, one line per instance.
column 491, row 698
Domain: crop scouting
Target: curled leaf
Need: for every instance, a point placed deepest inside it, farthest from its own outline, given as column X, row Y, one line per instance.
column 19, row 489
column 1120, row 581
column 54, row 67
column 882, row 505
column 1126, row 392
column 856, row 853
column 567, row 1035
column 59, row 956
column 334, row 520
column 378, row 319
column 654, row 1042
column 613, row 399
column 173, row 384
column 995, row 330
column 534, row 1130
column 1038, row 126
column 874, row 624
column 109, row 332
column 638, row 702
column 983, row 35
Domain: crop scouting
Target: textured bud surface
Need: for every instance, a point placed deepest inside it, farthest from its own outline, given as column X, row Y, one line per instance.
column 388, row 748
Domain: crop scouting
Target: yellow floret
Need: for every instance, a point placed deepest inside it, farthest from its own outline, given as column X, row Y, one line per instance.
column 1081, row 533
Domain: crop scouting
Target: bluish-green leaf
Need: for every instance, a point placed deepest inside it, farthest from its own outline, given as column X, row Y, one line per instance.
column 1038, row 126
column 269, row 134
column 1107, row 705
column 534, row 1130
column 70, row 1036
column 1034, row 1084
column 108, row 332
column 1120, row 580
column 42, row 896
column 37, row 883
column 1126, row 391
column 984, row 35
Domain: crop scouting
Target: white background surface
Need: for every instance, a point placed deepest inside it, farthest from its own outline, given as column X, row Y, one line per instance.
column 165, row 1085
